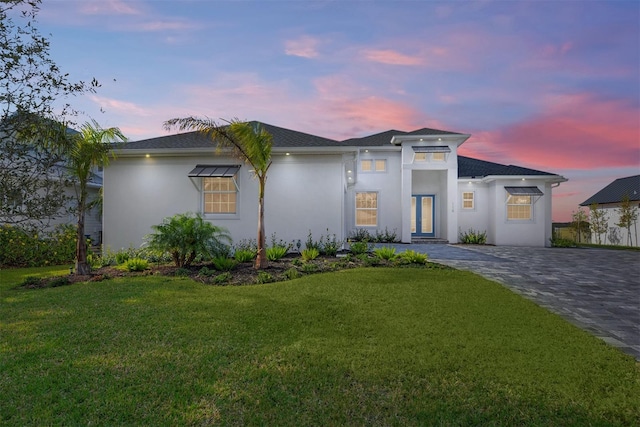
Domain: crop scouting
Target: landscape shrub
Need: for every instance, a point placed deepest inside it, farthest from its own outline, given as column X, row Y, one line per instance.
column 329, row 244
column 24, row 248
column 411, row 257
column 385, row 252
column 386, row 236
column 360, row 235
column 204, row 271
column 275, row 253
column 560, row 242
column 310, row 243
column 264, row 277
column 309, row 268
column 244, row 255
column 291, row 274
column 181, row 272
column 222, row 263
column 310, row 254
column 122, row 257
column 187, row 236
column 136, row 264
column 223, row 278
column 359, row 247
column 473, row 237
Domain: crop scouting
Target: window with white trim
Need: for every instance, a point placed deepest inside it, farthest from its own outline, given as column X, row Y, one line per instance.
column 468, row 200
column 220, row 195
column 367, row 209
column 519, row 207
column 373, row 165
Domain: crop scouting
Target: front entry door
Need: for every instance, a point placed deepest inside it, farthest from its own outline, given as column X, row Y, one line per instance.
column 422, row 215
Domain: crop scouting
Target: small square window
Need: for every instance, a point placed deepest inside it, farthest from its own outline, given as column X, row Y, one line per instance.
column 366, row 165
column 381, row 165
column 468, row 200
column 438, row 157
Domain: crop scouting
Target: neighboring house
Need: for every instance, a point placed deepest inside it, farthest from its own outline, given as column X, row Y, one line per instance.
column 413, row 183
column 609, row 199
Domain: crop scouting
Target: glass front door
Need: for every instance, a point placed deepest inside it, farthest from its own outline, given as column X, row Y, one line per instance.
column 422, row 215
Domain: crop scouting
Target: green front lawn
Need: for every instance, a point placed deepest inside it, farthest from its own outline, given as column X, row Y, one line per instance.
column 367, row 346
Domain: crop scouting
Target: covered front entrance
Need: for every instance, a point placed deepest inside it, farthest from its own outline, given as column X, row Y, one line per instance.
column 423, row 215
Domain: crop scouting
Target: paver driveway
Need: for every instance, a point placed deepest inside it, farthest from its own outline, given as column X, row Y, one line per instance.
column 596, row 289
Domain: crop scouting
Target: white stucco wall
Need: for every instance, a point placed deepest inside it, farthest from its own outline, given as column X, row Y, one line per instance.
column 302, row 193
column 478, row 217
column 386, row 184
column 519, row 232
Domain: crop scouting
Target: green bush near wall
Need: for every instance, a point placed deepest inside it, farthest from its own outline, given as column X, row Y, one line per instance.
column 22, row 248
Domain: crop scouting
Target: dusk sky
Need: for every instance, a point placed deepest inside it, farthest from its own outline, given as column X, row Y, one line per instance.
column 548, row 85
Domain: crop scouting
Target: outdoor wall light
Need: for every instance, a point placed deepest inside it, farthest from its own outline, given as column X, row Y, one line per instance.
column 147, row 155
column 287, row 154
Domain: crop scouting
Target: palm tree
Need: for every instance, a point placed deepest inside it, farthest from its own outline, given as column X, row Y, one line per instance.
column 86, row 150
column 248, row 142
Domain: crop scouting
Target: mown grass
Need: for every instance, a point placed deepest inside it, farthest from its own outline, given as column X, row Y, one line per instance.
column 356, row 347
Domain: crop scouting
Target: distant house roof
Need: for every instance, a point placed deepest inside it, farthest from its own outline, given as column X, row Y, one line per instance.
column 467, row 167
column 614, row 192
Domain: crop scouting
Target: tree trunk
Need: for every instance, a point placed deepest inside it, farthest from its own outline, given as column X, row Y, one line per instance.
column 261, row 257
column 82, row 268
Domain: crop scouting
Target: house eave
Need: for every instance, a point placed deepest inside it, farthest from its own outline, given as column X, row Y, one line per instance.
column 457, row 139
column 546, row 178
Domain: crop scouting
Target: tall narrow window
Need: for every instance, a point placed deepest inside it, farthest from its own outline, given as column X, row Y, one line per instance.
column 366, row 209
column 220, row 195
column 468, row 200
column 518, row 207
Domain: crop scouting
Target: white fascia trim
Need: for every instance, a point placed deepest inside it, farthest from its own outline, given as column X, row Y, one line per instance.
column 544, row 178
column 437, row 139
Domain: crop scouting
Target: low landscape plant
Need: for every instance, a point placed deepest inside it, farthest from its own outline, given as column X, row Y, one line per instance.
column 275, row 253
column 360, row 235
column 136, row 264
column 411, row 257
column 244, row 255
column 187, row 236
column 222, row 278
column 291, row 273
column 386, row 236
column 329, row 244
column 385, row 252
column 359, row 247
column 473, row 237
column 310, row 254
column 264, row 277
column 222, row 263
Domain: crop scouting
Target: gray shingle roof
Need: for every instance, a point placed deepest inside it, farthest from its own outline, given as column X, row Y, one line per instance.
column 384, row 138
column 614, row 192
column 468, row 168
column 281, row 138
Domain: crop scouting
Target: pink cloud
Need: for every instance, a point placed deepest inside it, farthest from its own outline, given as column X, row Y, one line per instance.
column 391, row 57
column 305, row 47
column 119, row 107
column 578, row 131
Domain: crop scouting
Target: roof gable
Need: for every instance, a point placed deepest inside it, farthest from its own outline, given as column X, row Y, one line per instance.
column 614, row 192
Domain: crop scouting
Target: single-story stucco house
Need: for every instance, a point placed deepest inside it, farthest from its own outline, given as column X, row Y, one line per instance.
column 609, row 199
column 412, row 183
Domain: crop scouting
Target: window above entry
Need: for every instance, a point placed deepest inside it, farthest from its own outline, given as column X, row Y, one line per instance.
column 433, row 153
